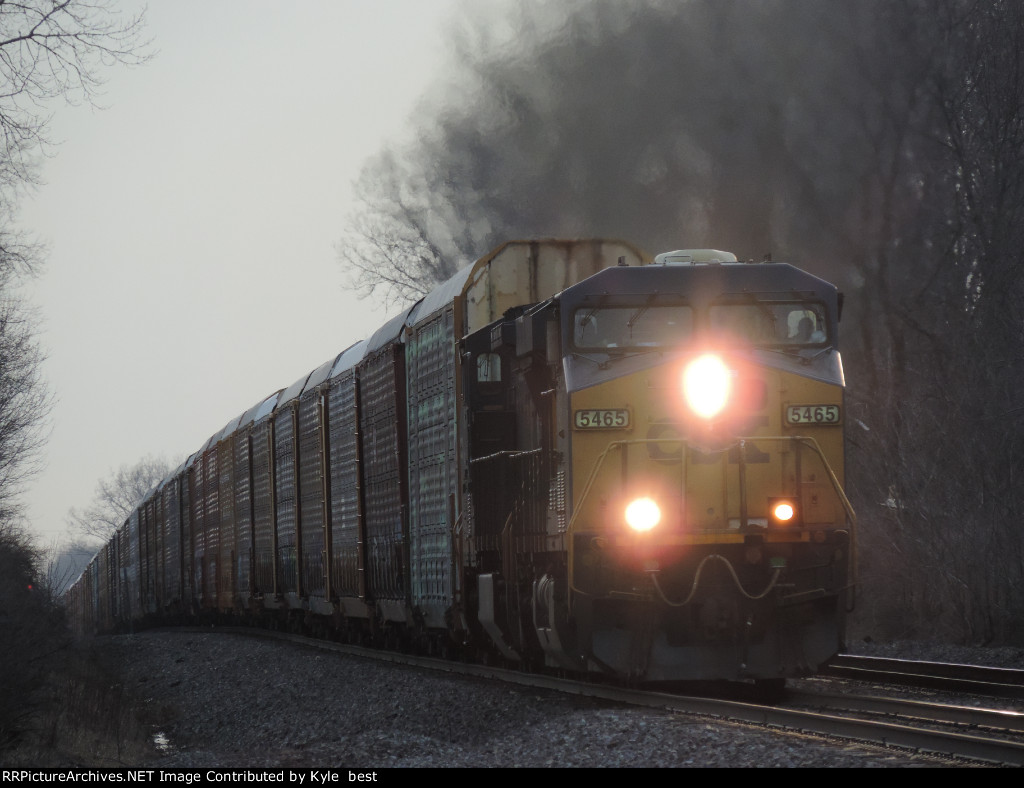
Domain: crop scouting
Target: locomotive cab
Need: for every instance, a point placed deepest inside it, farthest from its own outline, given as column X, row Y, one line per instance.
column 708, row 534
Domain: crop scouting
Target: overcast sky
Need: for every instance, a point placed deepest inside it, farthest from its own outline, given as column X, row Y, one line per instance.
column 192, row 223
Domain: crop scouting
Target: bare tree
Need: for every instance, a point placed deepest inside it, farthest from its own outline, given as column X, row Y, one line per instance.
column 403, row 259
column 49, row 50
column 24, row 401
column 55, row 49
column 117, row 496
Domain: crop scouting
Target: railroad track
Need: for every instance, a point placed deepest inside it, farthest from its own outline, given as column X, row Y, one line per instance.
column 942, row 730
column 976, row 679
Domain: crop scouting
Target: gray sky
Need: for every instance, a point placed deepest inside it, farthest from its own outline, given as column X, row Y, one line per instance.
column 192, row 223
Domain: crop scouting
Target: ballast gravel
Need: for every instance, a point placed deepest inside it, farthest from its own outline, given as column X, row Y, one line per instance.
column 230, row 700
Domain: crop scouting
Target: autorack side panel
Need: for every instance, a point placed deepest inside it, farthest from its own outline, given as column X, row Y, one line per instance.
column 99, row 588
column 94, row 601
column 433, row 474
column 102, row 620
column 128, row 574
column 383, row 442
column 91, row 599
column 228, row 535
column 171, row 502
column 148, row 554
column 197, row 520
column 119, row 566
column 286, row 496
column 122, row 614
column 188, row 546
column 159, row 552
column 262, row 441
column 132, row 572
column 242, row 508
column 384, row 488
column 242, row 503
column 284, row 490
column 261, row 491
column 347, row 560
column 311, row 454
column 211, row 524
column 108, row 612
column 154, row 550
column 145, row 570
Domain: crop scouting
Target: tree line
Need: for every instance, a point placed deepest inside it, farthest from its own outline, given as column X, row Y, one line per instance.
column 49, row 52
column 879, row 144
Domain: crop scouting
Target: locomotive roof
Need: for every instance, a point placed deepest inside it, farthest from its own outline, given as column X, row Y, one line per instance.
column 702, row 282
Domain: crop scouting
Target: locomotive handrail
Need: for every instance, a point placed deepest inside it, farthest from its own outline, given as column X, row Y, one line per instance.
column 805, row 440
column 808, row 441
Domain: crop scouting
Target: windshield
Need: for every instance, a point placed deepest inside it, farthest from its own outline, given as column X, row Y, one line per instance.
column 632, row 326
column 770, row 323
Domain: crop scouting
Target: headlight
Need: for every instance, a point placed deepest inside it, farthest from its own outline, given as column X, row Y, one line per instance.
column 706, row 385
column 782, row 511
column 643, row 514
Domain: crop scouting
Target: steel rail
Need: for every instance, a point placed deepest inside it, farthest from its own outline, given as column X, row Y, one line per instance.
column 979, row 679
column 1006, row 720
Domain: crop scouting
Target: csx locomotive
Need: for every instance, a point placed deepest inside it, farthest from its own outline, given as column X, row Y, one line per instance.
column 567, row 456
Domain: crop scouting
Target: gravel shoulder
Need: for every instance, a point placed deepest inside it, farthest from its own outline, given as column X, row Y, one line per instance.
column 228, row 700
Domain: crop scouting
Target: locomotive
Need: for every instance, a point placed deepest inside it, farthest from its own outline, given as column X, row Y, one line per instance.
column 568, row 456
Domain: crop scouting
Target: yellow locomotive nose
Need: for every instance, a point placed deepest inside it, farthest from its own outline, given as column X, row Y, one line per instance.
column 707, row 383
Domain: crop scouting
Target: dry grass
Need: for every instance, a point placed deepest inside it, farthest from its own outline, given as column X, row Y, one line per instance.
column 83, row 715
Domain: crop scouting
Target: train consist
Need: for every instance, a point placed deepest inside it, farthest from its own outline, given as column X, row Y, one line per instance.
column 567, row 456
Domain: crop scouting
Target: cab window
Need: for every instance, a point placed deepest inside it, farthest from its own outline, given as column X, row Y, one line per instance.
column 488, row 368
column 628, row 327
column 770, row 323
